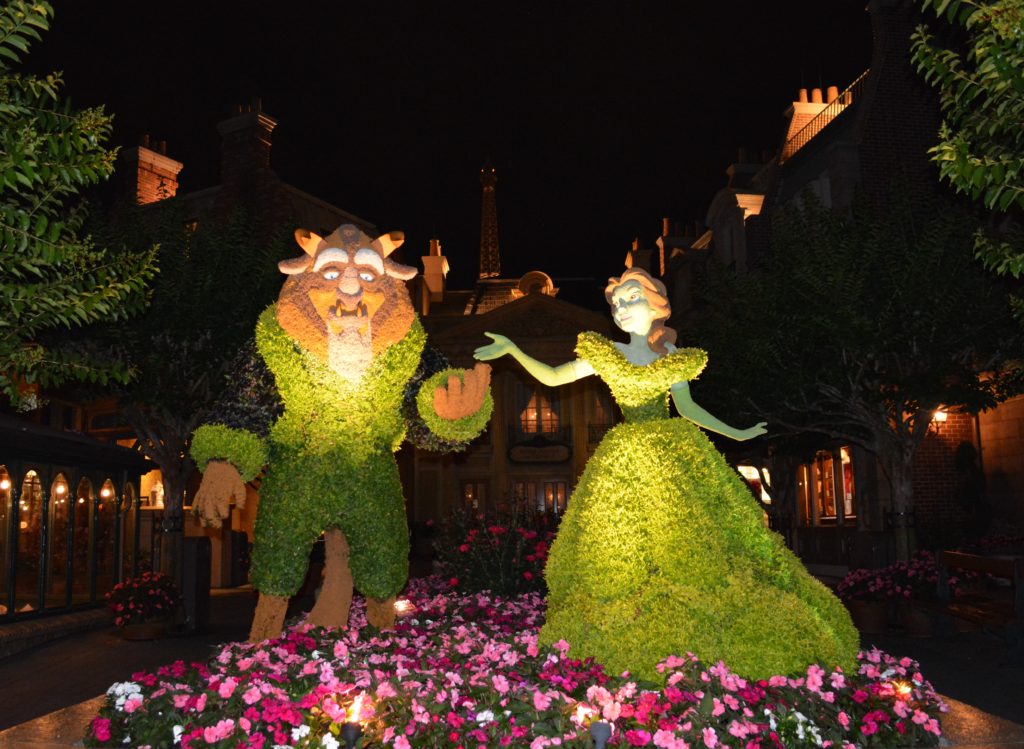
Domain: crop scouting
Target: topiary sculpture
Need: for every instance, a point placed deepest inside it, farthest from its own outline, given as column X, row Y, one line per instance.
column 342, row 343
column 662, row 549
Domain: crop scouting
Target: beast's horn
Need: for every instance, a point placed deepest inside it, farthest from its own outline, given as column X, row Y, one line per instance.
column 308, row 241
column 388, row 243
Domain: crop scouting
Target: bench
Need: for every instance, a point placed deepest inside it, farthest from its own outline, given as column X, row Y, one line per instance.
column 1000, row 608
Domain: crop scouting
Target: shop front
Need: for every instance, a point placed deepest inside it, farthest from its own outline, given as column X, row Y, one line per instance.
column 70, row 513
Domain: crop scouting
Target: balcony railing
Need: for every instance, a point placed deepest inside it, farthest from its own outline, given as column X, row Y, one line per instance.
column 802, row 137
column 561, row 436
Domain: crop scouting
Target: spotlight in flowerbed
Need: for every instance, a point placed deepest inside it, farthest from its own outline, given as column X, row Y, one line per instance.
column 466, row 670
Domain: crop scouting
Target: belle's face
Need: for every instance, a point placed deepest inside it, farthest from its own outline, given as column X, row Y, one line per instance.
column 631, row 310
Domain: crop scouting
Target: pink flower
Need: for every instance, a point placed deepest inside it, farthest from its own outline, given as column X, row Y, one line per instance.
column 500, row 684
column 219, row 732
column 100, row 728
column 611, row 711
column 636, row 737
column 710, row 737
column 251, row 695
column 541, row 701
column 227, row 687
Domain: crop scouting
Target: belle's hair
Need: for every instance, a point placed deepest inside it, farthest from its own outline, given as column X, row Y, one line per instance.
column 657, row 297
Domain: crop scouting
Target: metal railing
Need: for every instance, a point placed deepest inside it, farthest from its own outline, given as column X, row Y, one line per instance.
column 850, row 95
column 560, row 435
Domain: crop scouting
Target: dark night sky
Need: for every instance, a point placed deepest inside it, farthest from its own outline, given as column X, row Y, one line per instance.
column 600, row 118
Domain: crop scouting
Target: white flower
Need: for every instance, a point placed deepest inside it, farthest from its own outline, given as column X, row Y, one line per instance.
column 315, row 654
column 329, row 741
column 177, row 731
column 300, row 732
column 484, row 717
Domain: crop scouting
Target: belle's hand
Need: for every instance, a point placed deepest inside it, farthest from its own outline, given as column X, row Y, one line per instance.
column 463, row 398
column 757, row 430
column 221, row 483
column 499, row 348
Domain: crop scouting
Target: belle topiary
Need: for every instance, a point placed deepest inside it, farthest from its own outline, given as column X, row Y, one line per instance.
column 662, row 549
column 342, row 342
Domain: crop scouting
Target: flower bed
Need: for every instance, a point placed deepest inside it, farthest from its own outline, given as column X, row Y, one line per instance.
column 465, row 670
column 504, row 553
column 149, row 597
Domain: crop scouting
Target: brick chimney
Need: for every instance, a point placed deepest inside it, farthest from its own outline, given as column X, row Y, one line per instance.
column 151, row 175
column 245, row 143
column 435, row 268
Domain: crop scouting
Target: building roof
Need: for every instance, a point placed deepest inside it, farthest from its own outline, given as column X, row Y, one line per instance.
column 31, row 442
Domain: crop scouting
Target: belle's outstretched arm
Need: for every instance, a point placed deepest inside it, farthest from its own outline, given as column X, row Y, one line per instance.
column 684, row 403
column 551, row 376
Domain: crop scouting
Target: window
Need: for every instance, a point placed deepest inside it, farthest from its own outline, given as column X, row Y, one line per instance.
column 602, row 416
column 825, row 488
column 81, row 517
column 30, row 529
column 753, row 478
column 106, row 509
column 474, row 494
column 5, row 516
column 542, row 495
column 57, row 574
column 538, row 412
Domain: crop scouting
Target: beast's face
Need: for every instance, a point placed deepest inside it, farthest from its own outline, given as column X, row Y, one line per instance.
column 345, row 300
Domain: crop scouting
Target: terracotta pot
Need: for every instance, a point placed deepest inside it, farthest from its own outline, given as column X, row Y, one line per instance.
column 153, row 630
column 870, row 617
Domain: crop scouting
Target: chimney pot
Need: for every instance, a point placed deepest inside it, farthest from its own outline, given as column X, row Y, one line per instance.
column 145, row 140
column 163, row 147
column 815, row 96
column 832, row 94
column 802, row 96
column 435, row 248
column 666, row 227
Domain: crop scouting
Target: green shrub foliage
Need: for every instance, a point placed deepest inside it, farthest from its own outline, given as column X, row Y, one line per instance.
column 244, row 450
column 663, row 550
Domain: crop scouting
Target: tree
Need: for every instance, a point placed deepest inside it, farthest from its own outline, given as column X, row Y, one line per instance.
column 979, row 75
column 52, row 277
column 216, row 276
column 861, row 326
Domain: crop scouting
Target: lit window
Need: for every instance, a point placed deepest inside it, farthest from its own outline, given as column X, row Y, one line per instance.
column 825, row 488
column 474, row 494
column 753, row 477
column 539, row 416
column 554, row 497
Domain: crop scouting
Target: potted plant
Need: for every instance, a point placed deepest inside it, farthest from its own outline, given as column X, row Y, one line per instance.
column 867, row 593
column 144, row 606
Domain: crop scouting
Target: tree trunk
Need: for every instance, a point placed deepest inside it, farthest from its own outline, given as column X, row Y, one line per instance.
column 900, row 468
column 173, row 535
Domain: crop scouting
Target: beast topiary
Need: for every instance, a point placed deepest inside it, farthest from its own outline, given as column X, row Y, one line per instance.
column 342, row 343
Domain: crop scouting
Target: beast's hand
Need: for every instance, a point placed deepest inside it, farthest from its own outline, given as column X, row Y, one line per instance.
column 463, row 398
column 221, row 483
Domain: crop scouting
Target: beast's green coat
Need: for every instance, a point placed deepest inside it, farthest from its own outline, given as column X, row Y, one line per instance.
column 330, row 463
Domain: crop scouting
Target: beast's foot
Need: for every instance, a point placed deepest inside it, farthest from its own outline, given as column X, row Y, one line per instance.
column 268, row 621
column 380, row 613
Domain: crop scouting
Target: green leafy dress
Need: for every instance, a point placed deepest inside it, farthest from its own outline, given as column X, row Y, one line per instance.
column 663, row 550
